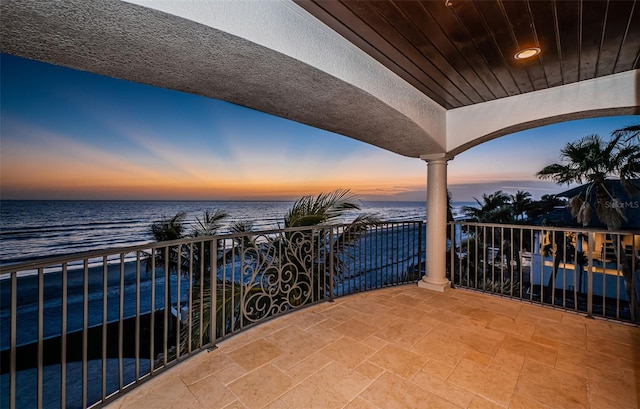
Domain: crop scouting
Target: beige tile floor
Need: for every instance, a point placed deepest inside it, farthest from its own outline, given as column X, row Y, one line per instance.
column 405, row 347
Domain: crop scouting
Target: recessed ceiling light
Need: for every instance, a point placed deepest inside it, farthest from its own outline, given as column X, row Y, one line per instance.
column 527, row 53
column 452, row 3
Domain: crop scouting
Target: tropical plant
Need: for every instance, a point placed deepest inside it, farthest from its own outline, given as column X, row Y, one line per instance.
column 194, row 258
column 494, row 208
column 244, row 227
column 493, row 252
column 520, row 202
column 296, row 266
column 592, row 160
column 186, row 258
column 543, row 206
column 325, row 209
column 210, row 223
column 321, row 209
column 201, row 253
column 167, row 229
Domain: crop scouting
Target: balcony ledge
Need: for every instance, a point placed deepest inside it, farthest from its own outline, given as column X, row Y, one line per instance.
column 407, row 347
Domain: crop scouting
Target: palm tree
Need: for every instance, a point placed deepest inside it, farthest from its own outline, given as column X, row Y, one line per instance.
column 167, row 229
column 492, row 246
column 296, row 267
column 209, row 224
column 592, row 160
column 245, row 227
column 195, row 257
column 321, row 209
column 520, row 203
column 494, row 208
column 543, row 206
column 175, row 228
column 325, row 209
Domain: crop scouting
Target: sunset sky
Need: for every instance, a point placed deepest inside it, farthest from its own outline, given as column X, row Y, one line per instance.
column 66, row 134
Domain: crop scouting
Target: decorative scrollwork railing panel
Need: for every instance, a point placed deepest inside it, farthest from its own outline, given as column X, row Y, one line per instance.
column 107, row 320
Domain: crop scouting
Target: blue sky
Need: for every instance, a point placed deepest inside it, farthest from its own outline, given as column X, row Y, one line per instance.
column 66, row 134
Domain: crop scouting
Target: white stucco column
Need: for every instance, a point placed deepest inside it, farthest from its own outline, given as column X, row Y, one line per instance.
column 436, row 246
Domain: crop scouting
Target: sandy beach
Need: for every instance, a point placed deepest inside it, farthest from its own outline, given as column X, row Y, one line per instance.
column 27, row 318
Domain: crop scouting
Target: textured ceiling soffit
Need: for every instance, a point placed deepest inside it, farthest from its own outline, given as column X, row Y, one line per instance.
column 131, row 42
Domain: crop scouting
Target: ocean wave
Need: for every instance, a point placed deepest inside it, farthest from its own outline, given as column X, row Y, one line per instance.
column 32, row 230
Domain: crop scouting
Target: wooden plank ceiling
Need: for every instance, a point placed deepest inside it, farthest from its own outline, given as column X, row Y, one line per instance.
column 461, row 52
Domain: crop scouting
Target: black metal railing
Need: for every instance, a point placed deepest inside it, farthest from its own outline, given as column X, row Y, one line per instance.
column 588, row 271
column 82, row 329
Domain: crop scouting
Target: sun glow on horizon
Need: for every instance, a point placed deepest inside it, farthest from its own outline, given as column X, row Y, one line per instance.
column 59, row 166
column 67, row 134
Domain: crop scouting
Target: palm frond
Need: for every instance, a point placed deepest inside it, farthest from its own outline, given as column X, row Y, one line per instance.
column 210, row 223
column 228, row 314
column 629, row 133
column 594, row 160
column 311, row 211
column 610, row 213
column 575, row 203
column 169, row 228
column 494, row 208
column 241, row 226
column 354, row 230
column 561, row 174
column 584, row 214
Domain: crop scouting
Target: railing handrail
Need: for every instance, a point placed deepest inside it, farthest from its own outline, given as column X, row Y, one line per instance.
column 550, row 228
column 100, row 306
column 230, row 285
column 557, row 266
column 152, row 245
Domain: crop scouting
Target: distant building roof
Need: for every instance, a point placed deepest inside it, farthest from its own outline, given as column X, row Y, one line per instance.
column 614, row 186
column 630, row 204
column 560, row 217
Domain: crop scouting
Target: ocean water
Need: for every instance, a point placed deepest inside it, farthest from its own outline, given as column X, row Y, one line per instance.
column 31, row 230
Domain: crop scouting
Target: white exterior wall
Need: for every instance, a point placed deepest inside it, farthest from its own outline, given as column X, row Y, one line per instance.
column 617, row 94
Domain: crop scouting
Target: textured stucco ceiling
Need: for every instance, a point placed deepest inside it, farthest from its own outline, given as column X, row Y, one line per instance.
column 136, row 43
